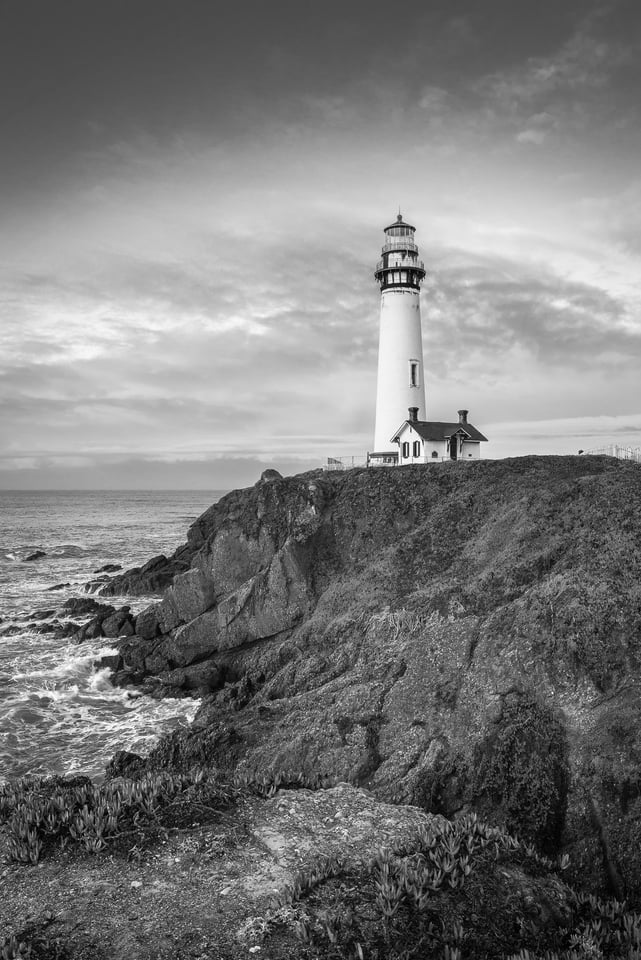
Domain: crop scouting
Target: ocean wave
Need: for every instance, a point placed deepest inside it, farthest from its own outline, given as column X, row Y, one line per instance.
column 60, row 551
column 70, row 550
column 69, row 716
column 69, row 665
column 62, row 730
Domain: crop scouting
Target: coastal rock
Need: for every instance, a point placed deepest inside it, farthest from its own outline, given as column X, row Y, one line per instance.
column 39, row 615
column 90, row 630
column 79, row 606
column 111, row 661
column 124, row 763
column 93, row 586
column 107, row 622
column 58, row 586
column 204, row 676
column 53, row 627
column 109, row 568
column 462, row 636
column 268, row 476
column 36, row 555
column 147, row 624
column 157, row 574
column 118, row 624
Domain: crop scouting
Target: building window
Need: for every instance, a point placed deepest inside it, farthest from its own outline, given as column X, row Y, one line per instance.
column 416, row 448
column 413, row 373
column 434, row 454
column 406, row 449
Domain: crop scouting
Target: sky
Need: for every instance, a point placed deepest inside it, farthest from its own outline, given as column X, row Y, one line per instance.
column 192, row 200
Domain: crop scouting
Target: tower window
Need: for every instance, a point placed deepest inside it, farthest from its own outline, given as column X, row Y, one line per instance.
column 413, row 373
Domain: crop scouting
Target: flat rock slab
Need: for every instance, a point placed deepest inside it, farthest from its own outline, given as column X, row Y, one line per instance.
column 348, row 824
column 204, row 892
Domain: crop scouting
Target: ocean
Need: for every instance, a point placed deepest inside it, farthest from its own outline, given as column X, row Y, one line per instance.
column 58, row 713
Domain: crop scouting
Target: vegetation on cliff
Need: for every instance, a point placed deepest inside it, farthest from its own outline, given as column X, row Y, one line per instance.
column 461, row 638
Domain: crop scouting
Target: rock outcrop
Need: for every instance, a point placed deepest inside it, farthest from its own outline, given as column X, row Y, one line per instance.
column 157, row 574
column 461, row 636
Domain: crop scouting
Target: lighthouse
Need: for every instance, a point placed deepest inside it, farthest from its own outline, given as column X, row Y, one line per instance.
column 400, row 384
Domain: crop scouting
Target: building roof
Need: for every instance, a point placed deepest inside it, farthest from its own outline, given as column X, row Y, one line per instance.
column 438, row 430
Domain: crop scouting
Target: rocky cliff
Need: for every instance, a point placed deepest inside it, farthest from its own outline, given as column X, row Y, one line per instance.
column 461, row 636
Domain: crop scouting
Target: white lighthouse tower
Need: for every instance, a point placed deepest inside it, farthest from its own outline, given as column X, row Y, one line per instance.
column 401, row 384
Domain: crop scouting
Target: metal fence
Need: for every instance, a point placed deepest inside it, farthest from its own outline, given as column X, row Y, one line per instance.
column 619, row 451
column 345, row 463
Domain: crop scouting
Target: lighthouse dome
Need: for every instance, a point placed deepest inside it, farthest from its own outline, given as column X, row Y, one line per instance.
column 399, row 227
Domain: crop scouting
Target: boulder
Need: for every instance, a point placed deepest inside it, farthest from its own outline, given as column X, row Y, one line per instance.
column 105, row 614
column 147, row 624
column 113, row 661
column 90, row 630
column 118, row 624
column 79, row 606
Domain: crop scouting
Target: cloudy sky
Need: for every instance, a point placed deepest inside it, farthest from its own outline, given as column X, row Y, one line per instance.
column 193, row 194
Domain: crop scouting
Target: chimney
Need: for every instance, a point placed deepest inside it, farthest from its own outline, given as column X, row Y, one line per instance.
column 462, row 416
column 413, row 414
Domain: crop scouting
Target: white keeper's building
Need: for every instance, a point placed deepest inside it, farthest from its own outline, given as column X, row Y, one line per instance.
column 400, row 390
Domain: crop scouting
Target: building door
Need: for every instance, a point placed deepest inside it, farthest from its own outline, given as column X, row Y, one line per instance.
column 454, row 447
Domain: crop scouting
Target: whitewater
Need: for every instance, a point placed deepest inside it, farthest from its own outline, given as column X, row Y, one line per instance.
column 59, row 714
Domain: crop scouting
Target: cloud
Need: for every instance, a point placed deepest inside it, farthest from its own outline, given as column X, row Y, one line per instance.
column 616, row 216
column 207, row 291
column 568, row 91
column 494, row 304
column 266, row 342
column 434, row 101
column 502, row 335
column 531, row 136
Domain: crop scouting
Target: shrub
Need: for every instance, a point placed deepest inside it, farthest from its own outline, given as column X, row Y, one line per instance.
column 522, row 767
column 42, row 814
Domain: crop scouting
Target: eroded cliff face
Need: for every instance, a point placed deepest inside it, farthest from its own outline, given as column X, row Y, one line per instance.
column 462, row 636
